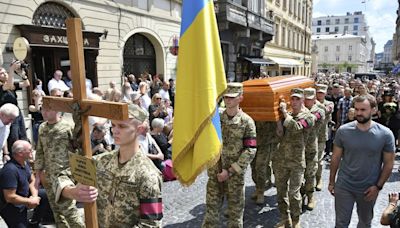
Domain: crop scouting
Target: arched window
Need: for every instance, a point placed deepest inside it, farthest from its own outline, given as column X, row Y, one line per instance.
column 51, row 14
column 139, row 55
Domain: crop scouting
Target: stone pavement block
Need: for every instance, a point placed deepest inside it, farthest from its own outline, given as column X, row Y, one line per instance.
column 185, row 206
column 267, row 215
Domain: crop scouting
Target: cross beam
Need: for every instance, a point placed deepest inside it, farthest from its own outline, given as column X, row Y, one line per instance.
column 106, row 109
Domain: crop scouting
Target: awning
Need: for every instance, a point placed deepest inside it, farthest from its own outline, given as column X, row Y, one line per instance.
column 259, row 61
column 285, row 62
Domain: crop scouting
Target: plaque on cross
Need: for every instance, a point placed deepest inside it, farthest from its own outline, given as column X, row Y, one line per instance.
column 79, row 103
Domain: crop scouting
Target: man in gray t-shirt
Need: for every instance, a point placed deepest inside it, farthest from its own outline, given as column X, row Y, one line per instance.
column 364, row 154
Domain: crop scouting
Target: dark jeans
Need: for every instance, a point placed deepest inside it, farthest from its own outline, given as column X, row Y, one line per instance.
column 43, row 213
column 35, row 131
column 14, row 216
column 17, row 131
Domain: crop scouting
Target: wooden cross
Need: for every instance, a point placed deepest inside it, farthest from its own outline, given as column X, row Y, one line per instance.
column 105, row 109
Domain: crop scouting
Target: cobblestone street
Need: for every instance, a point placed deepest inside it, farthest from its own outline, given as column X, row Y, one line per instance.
column 185, row 207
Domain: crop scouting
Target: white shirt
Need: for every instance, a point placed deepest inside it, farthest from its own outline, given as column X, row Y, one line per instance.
column 145, row 102
column 164, row 94
column 60, row 84
column 4, row 132
column 144, row 143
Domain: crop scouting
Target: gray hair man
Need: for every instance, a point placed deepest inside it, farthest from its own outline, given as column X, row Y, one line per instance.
column 8, row 113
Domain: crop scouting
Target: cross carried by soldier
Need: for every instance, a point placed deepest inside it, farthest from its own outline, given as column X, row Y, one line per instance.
column 80, row 106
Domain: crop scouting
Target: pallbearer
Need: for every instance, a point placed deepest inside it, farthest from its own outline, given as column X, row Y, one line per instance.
column 226, row 178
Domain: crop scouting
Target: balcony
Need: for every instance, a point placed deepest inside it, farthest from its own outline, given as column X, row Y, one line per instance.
column 231, row 14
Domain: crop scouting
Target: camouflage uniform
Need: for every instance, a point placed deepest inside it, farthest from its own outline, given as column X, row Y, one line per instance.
column 288, row 162
column 52, row 156
column 323, row 132
column 311, row 149
column 130, row 193
column 238, row 150
column 267, row 143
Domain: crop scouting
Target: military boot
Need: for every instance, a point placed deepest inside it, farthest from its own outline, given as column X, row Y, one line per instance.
column 318, row 187
column 284, row 223
column 310, row 202
column 296, row 222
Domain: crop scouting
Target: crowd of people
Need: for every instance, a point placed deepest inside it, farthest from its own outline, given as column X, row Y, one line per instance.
column 339, row 119
column 47, row 185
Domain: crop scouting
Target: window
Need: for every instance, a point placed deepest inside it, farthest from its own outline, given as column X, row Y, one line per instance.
column 356, row 20
column 295, row 8
column 298, row 10
column 328, row 22
column 346, row 28
column 318, row 29
column 254, row 6
column 290, row 6
column 337, row 48
column 349, row 58
column 355, row 27
column 319, row 22
column 298, row 41
column 326, row 48
column 337, row 21
column 327, row 29
column 51, row 14
column 294, row 40
column 346, row 20
column 284, row 4
column 283, row 40
column 355, row 33
column 337, row 58
column 350, row 47
column 276, row 34
column 336, row 29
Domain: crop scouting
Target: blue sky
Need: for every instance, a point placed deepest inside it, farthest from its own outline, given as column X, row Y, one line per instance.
column 381, row 15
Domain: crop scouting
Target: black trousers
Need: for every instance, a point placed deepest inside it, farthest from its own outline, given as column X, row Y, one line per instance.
column 14, row 216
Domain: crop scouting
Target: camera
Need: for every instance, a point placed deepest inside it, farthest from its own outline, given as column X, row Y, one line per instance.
column 24, row 65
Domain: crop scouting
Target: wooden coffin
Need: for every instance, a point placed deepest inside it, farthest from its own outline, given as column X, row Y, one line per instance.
column 261, row 97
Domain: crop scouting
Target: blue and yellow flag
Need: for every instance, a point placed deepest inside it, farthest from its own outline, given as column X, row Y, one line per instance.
column 199, row 84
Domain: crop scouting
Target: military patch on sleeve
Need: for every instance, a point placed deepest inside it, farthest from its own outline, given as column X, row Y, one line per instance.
column 250, row 142
column 151, row 209
column 303, row 123
column 318, row 115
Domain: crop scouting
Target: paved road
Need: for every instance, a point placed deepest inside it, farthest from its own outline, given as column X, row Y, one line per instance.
column 185, row 206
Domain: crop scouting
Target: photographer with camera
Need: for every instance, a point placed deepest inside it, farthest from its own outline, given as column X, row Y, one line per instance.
column 391, row 214
column 8, row 88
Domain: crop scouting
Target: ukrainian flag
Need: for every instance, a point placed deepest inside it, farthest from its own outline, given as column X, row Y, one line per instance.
column 200, row 83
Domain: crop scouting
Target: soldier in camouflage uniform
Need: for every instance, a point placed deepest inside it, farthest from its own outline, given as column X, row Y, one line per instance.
column 226, row 178
column 323, row 132
column 51, row 160
column 288, row 162
column 261, row 170
column 128, row 182
column 311, row 149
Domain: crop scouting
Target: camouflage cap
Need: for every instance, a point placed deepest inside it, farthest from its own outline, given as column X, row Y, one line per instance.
column 321, row 88
column 234, row 89
column 297, row 92
column 136, row 112
column 309, row 93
